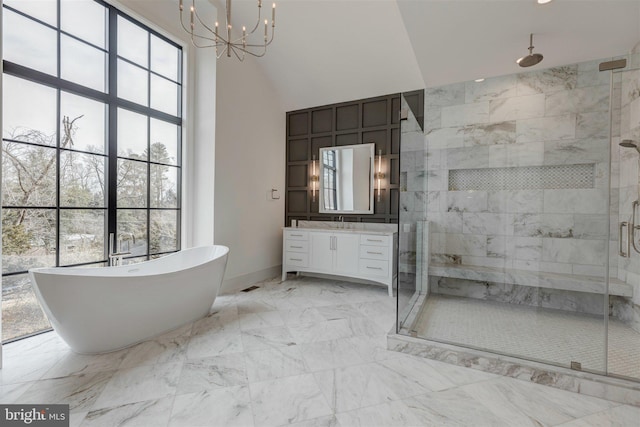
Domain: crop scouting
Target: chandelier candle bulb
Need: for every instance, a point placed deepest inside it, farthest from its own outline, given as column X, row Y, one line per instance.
column 265, row 30
column 192, row 13
column 273, row 15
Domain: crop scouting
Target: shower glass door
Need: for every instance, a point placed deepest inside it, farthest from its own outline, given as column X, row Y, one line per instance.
column 413, row 228
column 505, row 217
column 624, row 317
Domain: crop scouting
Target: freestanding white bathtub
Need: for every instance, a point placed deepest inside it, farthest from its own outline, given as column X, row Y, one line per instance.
column 97, row 310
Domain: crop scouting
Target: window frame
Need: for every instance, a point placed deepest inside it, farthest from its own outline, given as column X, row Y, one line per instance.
column 112, row 103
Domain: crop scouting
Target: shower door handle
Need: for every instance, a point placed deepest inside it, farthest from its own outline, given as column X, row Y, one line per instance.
column 621, row 251
column 633, row 227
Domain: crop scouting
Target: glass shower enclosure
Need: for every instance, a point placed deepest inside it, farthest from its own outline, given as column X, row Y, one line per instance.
column 517, row 228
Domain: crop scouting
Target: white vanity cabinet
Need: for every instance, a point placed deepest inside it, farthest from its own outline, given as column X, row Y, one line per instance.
column 348, row 253
column 334, row 253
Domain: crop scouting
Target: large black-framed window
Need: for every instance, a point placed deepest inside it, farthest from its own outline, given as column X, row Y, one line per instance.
column 92, row 137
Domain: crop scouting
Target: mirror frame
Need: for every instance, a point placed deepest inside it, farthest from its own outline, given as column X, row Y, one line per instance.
column 369, row 211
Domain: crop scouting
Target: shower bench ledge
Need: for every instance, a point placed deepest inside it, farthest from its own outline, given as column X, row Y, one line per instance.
column 567, row 282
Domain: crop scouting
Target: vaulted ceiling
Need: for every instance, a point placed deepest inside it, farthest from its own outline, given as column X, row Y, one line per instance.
column 328, row 51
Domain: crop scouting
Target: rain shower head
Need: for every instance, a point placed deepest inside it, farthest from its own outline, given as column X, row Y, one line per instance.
column 532, row 58
column 628, row 143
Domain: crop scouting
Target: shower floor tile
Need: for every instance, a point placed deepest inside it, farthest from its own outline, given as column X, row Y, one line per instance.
column 545, row 335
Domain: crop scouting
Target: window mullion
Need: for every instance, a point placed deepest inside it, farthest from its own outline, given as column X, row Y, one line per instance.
column 112, row 149
column 59, row 138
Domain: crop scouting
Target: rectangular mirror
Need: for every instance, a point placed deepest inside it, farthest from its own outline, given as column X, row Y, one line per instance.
column 346, row 179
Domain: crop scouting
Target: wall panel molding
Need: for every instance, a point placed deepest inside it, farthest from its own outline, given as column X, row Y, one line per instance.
column 363, row 121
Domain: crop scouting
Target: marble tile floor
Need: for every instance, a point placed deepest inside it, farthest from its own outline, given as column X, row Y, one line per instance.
column 306, row 352
column 545, row 335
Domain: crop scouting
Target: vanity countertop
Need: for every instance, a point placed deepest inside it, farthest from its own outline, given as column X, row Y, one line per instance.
column 346, row 227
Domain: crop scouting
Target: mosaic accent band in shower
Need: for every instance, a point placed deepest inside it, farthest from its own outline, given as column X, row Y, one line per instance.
column 523, row 178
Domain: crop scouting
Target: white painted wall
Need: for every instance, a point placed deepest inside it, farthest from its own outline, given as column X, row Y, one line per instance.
column 250, row 161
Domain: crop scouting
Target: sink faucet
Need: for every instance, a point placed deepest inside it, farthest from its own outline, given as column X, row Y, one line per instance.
column 341, row 219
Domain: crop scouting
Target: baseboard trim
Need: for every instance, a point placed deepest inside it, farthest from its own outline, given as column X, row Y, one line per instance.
column 238, row 283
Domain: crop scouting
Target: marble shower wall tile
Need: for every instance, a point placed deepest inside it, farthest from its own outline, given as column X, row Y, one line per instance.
column 443, row 96
column 591, row 226
column 572, row 151
column 578, row 201
column 546, row 128
column 528, row 248
column 516, row 108
column 590, row 75
column 467, row 158
column 544, row 225
column 527, row 154
column 413, row 141
column 443, row 138
column 466, row 244
column 446, row 222
column 556, row 116
column 465, row 114
column 549, row 80
column 491, row 88
column 574, row 251
column 487, row 223
column 432, row 117
column 466, row 201
column 515, row 201
column 590, row 99
column 490, row 134
column 592, row 125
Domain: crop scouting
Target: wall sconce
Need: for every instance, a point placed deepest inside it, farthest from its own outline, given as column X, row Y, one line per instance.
column 379, row 175
column 314, row 178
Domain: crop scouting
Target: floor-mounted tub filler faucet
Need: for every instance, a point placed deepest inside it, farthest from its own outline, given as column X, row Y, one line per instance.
column 115, row 255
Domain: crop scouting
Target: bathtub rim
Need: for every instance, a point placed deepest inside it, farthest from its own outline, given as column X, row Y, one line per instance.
column 125, row 270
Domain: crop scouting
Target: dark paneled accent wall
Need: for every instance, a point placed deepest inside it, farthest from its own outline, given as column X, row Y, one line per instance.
column 374, row 120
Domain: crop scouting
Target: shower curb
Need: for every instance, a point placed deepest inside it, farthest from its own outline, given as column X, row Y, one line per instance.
column 590, row 384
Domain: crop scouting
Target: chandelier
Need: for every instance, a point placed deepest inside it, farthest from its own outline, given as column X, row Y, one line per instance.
column 203, row 36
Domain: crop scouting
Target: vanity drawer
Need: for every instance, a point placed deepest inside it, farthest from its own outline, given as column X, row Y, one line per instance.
column 372, row 267
column 374, row 240
column 296, row 235
column 296, row 246
column 297, row 259
column 374, row 252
